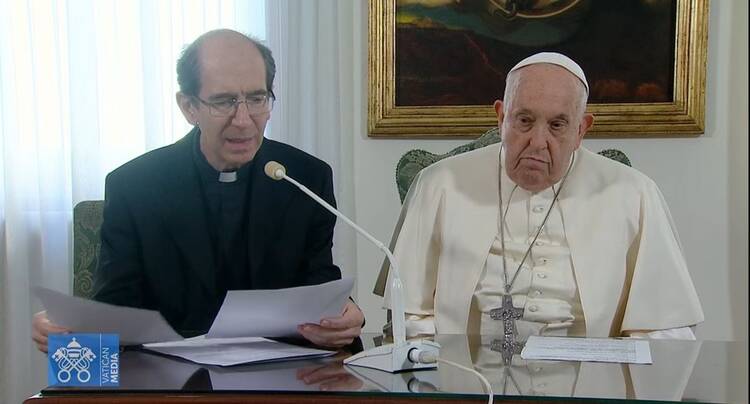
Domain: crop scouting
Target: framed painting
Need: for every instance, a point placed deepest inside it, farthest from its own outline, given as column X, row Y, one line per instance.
column 436, row 66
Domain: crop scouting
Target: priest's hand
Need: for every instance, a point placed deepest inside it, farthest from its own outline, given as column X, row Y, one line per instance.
column 335, row 332
column 42, row 327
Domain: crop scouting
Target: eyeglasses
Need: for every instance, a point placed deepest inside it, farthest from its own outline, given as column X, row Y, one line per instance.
column 257, row 104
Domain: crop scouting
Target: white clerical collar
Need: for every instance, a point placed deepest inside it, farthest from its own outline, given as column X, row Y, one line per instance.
column 230, row 176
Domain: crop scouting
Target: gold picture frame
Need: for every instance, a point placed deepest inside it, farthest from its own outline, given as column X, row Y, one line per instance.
column 683, row 116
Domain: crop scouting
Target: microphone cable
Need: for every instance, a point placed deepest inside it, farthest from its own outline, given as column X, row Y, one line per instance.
column 428, row 357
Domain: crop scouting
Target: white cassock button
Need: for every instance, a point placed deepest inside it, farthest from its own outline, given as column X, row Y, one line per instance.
column 539, row 244
column 538, row 369
column 533, row 308
column 538, row 209
column 541, row 275
column 541, row 261
column 537, row 293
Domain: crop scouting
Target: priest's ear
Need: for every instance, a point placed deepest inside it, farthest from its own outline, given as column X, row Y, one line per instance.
column 188, row 107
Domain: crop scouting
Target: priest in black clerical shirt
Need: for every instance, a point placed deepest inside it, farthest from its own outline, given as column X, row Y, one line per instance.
column 226, row 196
column 185, row 223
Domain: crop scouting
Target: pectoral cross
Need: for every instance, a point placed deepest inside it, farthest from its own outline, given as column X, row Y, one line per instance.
column 507, row 349
column 509, row 314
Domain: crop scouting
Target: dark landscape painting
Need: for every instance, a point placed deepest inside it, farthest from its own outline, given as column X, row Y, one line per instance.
column 457, row 52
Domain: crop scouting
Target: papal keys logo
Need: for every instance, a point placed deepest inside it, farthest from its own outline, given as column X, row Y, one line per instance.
column 84, row 360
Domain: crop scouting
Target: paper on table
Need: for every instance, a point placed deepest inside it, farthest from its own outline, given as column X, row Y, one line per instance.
column 277, row 313
column 234, row 351
column 587, row 349
column 135, row 326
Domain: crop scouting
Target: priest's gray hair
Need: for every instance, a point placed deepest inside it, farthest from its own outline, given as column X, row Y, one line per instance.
column 189, row 68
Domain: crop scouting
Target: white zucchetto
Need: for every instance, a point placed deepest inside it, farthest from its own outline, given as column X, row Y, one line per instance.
column 556, row 59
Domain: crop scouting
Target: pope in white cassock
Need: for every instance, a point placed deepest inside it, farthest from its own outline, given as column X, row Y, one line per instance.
column 582, row 245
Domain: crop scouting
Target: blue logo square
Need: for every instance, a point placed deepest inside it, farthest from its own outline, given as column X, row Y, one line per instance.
column 83, row 360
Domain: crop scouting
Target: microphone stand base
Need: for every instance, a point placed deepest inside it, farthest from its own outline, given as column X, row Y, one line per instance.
column 395, row 358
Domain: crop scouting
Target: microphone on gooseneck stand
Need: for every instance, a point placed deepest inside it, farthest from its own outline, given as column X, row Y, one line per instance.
column 401, row 354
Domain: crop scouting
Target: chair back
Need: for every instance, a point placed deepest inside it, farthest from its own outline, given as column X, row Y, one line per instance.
column 413, row 161
column 87, row 223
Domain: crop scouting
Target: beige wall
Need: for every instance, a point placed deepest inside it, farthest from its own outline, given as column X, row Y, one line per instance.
column 704, row 179
column 736, row 18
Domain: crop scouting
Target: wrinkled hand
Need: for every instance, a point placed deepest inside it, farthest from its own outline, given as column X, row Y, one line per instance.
column 335, row 332
column 332, row 377
column 41, row 328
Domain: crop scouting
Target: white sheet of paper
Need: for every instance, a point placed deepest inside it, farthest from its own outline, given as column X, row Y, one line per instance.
column 234, row 351
column 587, row 349
column 135, row 326
column 278, row 312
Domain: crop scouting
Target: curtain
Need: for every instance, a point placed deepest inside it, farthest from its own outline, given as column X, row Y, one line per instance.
column 85, row 85
column 313, row 44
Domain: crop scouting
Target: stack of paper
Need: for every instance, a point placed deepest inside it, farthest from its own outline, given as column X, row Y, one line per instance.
column 234, row 351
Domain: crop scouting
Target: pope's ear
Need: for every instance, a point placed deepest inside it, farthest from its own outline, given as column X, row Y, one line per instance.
column 498, row 105
column 586, row 122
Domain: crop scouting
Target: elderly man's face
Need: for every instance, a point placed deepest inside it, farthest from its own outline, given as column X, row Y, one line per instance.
column 542, row 124
column 231, row 68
